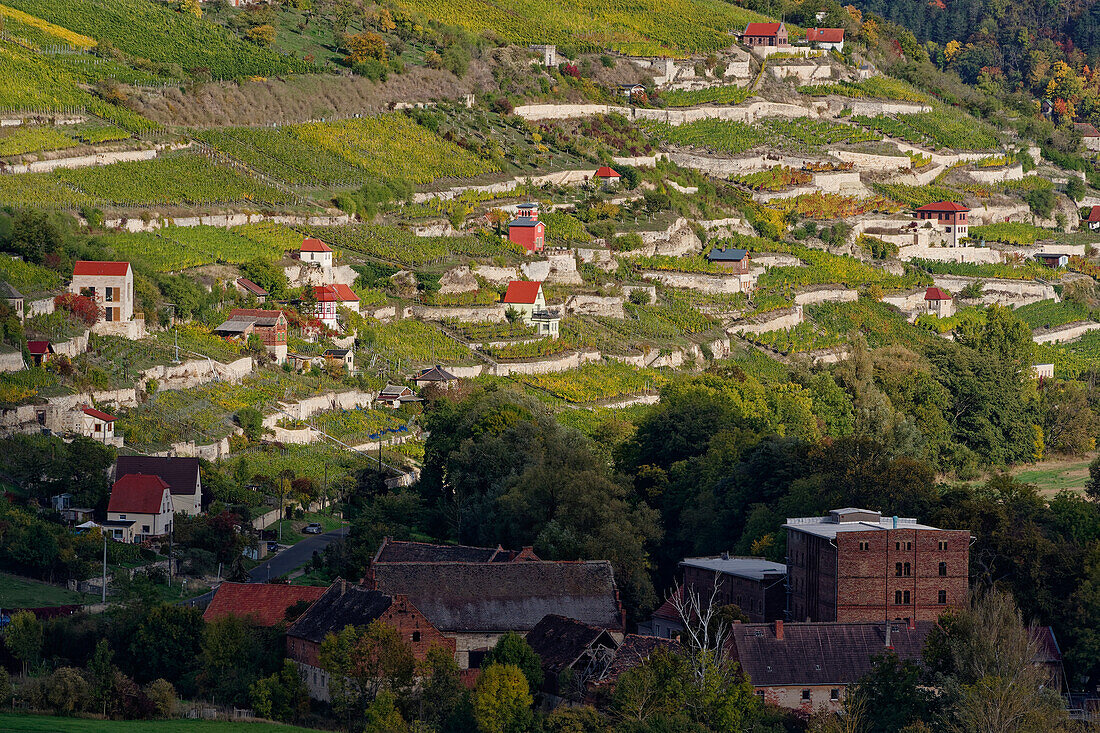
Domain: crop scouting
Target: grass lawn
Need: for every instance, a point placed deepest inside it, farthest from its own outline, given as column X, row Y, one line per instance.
column 24, row 723
column 292, row 528
column 16, row 592
column 1053, row 476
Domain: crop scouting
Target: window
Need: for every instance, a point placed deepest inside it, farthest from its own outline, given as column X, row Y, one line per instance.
column 905, row 597
column 109, row 294
column 805, row 694
column 908, row 570
column 901, row 597
column 943, row 597
column 760, row 694
column 865, row 545
column 897, row 570
column 897, row 545
column 943, row 569
column 145, row 528
column 121, row 516
column 908, row 545
column 416, row 636
column 943, row 546
column 834, row 694
column 88, row 292
column 897, row 598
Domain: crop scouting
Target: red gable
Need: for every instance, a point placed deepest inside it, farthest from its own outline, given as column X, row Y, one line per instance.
column 825, row 35
column 113, row 269
column 39, row 348
column 99, row 415
column 138, row 493
column 934, row 293
column 1094, row 214
column 762, row 29
column 312, row 244
column 943, row 206
column 338, row 293
column 522, row 291
column 1086, row 129
column 266, row 604
column 607, row 172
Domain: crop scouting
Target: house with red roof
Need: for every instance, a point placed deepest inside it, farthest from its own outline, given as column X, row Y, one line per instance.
column 111, row 286
column 1093, row 219
column 40, row 351
column 608, row 176
column 140, row 508
column 939, row 302
column 829, row 39
column 526, row 230
column 247, row 287
column 771, row 36
column 1090, row 136
column 948, row 217
column 526, row 297
column 265, row 604
column 97, row 425
column 330, row 299
column 316, row 252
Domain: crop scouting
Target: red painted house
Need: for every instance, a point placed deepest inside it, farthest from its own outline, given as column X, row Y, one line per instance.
column 948, row 215
column 526, row 230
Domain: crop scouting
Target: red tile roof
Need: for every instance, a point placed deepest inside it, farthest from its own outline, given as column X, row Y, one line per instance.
column 607, row 172
column 522, row 291
column 312, row 244
column 1094, row 214
column 114, row 269
column 934, row 293
column 762, row 29
column 266, row 604
column 250, row 286
column 1086, row 129
column 39, row 348
column 338, row 293
column 667, row 610
column 825, row 35
column 139, row 493
column 99, row 415
column 943, row 206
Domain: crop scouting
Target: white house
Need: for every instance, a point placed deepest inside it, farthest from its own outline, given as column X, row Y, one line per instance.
column 316, row 252
column 111, row 286
column 829, row 39
column 182, row 475
column 330, row 299
column 144, row 501
column 97, row 425
column 525, row 297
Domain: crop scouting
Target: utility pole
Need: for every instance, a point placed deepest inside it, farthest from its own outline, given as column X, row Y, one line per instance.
column 175, row 330
column 171, row 531
column 104, row 588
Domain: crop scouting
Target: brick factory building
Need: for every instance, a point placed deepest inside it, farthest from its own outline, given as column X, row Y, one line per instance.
column 754, row 585
column 855, row 565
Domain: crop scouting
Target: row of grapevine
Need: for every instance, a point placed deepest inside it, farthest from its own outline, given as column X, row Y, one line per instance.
column 725, row 94
column 178, row 248
column 596, row 382
column 940, row 128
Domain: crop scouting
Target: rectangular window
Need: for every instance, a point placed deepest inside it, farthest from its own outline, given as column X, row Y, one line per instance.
column 865, row 545
column 943, row 546
column 897, row 570
column 943, row 597
column 908, row 570
column 834, row 694
column 905, row 597
column 897, row 598
column 145, row 528
column 805, row 694
column 943, row 570
column 121, row 516
column 897, row 545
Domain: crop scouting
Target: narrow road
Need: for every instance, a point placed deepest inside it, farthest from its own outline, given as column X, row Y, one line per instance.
column 289, row 559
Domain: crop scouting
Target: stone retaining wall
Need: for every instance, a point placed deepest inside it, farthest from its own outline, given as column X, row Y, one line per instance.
column 466, row 314
column 997, row 175
column 543, row 366
column 80, row 161
column 1068, row 333
column 741, row 113
column 310, row 406
column 197, row 372
column 699, row 281
column 873, row 163
column 595, row 305
column 12, row 361
column 826, row 295
column 223, row 220
column 1004, row 292
column 948, row 254
column 774, row 321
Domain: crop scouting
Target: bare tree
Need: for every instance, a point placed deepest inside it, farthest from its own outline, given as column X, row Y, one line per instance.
column 705, row 633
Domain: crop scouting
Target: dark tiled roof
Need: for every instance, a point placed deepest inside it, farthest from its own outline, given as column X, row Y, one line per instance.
column 560, row 641
column 820, row 653
column 336, row 353
column 513, row 596
column 8, row 291
column 524, row 221
column 250, row 286
column 635, row 650
column 726, row 255
column 263, row 602
column 400, row 551
column 435, row 374
column 181, row 474
column 343, row 604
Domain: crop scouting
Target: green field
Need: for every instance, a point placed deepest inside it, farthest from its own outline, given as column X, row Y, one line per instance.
column 1054, row 476
column 24, row 723
column 16, row 592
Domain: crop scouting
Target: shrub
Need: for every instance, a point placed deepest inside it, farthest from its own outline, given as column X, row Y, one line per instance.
column 81, row 306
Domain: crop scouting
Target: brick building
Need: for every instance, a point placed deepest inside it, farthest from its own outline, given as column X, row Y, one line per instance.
column 343, row 605
column 948, row 217
column 855, row 565
column 264, row 604
column 765, row 34
column 269, row 325
column 756, row 586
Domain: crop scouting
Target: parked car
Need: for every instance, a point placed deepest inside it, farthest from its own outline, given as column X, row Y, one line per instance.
column 272, row 546
column 313, row 528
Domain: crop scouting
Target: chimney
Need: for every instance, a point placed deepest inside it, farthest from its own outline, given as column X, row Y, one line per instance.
column 912, row 624
column 343, row 586
column 726, row 555
column 889, row 645
column 778, row 630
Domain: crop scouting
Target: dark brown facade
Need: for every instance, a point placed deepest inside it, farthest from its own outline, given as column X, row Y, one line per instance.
column 761, row 595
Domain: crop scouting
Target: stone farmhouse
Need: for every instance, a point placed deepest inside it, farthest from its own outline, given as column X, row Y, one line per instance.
column 111, row 286
column 948, row 218
column 939, row 302
column 316, row 252
column 766, row 38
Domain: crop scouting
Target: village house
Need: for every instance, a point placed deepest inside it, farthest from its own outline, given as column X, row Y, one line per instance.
column 830, row 39
column 1052, row 260
column 435, row 376
column 247, row 287
column 1090, row 137
column 1042, row 371
column 630, row 91
column 856, row 565
column 391, row 551
column 144, row 501
column 111, row 286
column 316, row 252
column 666, row 622
column 1093, row 219
column 731, row 260
column 573, row 654
column 634, row 651
column 269, row 325
column 766, row 35
column 526, row 230
column 608, row 176
column 939, row 302
column 181, row 474
column 755, row 585
column 346, row 357
column 13, row 298
column 395, row 395
column 40, row 351
column 264, row 604
column 330, row 299
column 97, row 425
column 344, row 604
column 948, row 217
column 526, row 298
column 475, row 603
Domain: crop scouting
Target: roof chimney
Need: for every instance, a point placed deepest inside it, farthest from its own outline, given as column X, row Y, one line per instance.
column 778, row 630
column 726, row 555
column 888, row 630
column 343, row 586
column 912, row 624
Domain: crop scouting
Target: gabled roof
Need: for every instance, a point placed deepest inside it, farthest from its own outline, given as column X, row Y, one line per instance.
column 181, row 474
column 633, row 652
column 943, row 206
column 250, row 286
column 1094, row 214
column 1086, row 129
column 934, row 293
column 8, row 291
column 667, row 610
column 404, row 551
column 261, row 317
column 726, row 255
column 394, row 391
column 504, row 596
column 825, row 35
column 343, row 604
column 137, row 493
column 526, row 221
column 762, row 29
column 338, row 293
column 265, row 603
column 312, row 244
column 336, row 353
column 234, row 326
column 607, row 172
column 435, row 374
column 522, row 291
column 751, row 568
column 560, row 641
column 820, row 653
column 99, row 415
column 39, row 348
column 112, row 269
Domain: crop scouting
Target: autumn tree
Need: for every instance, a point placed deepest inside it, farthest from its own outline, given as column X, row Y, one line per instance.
column 362, row 662
column 501, row 700
column 364, row 46
column 23, row 638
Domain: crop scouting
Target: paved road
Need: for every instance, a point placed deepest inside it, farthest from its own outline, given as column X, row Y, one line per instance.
column 286, row 561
